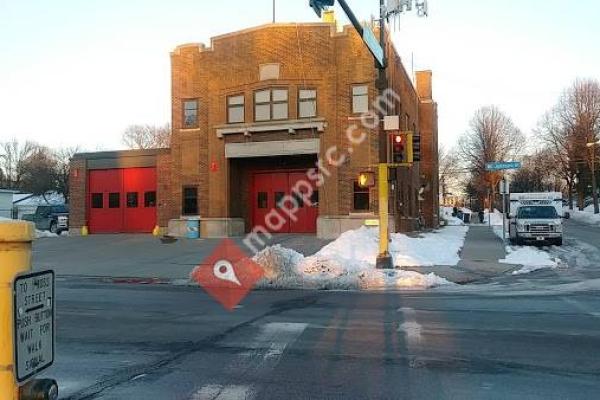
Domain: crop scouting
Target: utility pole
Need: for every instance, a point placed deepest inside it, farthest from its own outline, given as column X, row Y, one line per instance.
column 273, row 11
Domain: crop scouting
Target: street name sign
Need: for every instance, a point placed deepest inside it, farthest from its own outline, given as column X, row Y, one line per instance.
column 502, row 165
column 374, row 46
column 33, row 323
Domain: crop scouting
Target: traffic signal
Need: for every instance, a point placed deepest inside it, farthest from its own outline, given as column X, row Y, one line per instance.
column 398, row 148
column 417, row 148
column 366, row 179
column 320, row 5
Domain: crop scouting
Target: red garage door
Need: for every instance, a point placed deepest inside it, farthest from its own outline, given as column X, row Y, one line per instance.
column 122, row 200
column 269, row 189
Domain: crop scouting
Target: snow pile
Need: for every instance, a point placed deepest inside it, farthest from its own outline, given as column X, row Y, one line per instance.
column 586, row 216
column 531, row 259
column 349, row 261
column 446, row 213
column 44, row 234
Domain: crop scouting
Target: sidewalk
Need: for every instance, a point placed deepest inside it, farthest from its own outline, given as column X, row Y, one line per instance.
column 479, row 258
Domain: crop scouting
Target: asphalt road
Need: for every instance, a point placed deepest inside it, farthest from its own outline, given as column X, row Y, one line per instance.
column 121, row 341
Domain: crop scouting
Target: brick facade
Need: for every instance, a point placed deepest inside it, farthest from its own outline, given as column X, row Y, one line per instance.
column 308, row 56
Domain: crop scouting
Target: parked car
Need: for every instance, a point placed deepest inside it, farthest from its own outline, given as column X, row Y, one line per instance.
column 50, row 218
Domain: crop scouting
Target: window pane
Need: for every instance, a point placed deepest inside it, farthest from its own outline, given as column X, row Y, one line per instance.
column 280, row 94
column 263, row 96
column 190, row 105
column 314, row 198
column 360, row 104
column 235, row 100
column 190, row 118
column 114, row 200
column 361, row 198
column 307, row 109
column 150, row 199
column 262, row 200
column 190, row 201
column 236, row 114
column 298, row 198
column 360, row 90
column 262, row 112
column 278, row 199
column 307, row 94
column 132, row 200
column 97, row 200
column 280, row 111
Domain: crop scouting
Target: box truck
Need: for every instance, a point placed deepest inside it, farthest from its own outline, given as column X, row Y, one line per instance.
column 536, row 218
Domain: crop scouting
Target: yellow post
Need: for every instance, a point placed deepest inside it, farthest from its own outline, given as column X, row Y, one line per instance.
column 384, row 259
column 15, row 257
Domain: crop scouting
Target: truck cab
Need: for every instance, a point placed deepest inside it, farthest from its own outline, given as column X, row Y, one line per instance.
column 50, row 218
column 536, row 218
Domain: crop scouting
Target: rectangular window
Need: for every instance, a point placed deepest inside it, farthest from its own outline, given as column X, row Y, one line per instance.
column 314, row 198
column 360, row 99
column 190, row 113
column 271, row 104
column 114, row 200
column 279, row 199
column 262, row 105
column 280, row 104
column 97, row 200
column 235, row 109
column 132, row 200
column 307, row 103
column 190, row 201
column 150, row 199
column 262, row 200
column 361, row 198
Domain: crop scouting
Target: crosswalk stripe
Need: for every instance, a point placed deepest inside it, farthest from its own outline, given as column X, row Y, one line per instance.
column 265, row 352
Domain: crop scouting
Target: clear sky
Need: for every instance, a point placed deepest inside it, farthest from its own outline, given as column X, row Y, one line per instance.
column 77, row 72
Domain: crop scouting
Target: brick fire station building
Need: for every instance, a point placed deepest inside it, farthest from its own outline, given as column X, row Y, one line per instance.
column 251, row 114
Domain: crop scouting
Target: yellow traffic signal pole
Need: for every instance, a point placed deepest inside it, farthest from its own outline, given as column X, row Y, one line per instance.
column 384, row 258
column 15, row 257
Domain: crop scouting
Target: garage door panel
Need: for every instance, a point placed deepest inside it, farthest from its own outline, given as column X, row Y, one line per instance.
column 122, row 200
column 104, row 199
column 139, row 186
column 271, row 191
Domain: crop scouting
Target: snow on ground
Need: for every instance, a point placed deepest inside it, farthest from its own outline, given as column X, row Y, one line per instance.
column 530, row 258
column 450, row 220
column 44, row 234
column 349, row 261
column 586, row 216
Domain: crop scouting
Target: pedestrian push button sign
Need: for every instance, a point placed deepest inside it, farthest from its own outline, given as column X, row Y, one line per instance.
column 33, row 323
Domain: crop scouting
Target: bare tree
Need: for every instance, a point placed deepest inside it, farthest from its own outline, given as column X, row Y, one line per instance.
column 147, row 136
column 579, row 114
column 12, row 157
column 39, row 171
column 492, row 136
column 449, row 170
column 63, row 168
column 559, row 141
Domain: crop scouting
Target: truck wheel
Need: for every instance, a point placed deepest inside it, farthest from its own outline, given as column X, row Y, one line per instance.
column 558, row 242
column 53, row 227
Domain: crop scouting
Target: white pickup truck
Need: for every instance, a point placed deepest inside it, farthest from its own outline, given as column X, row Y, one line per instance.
column 536, row 218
